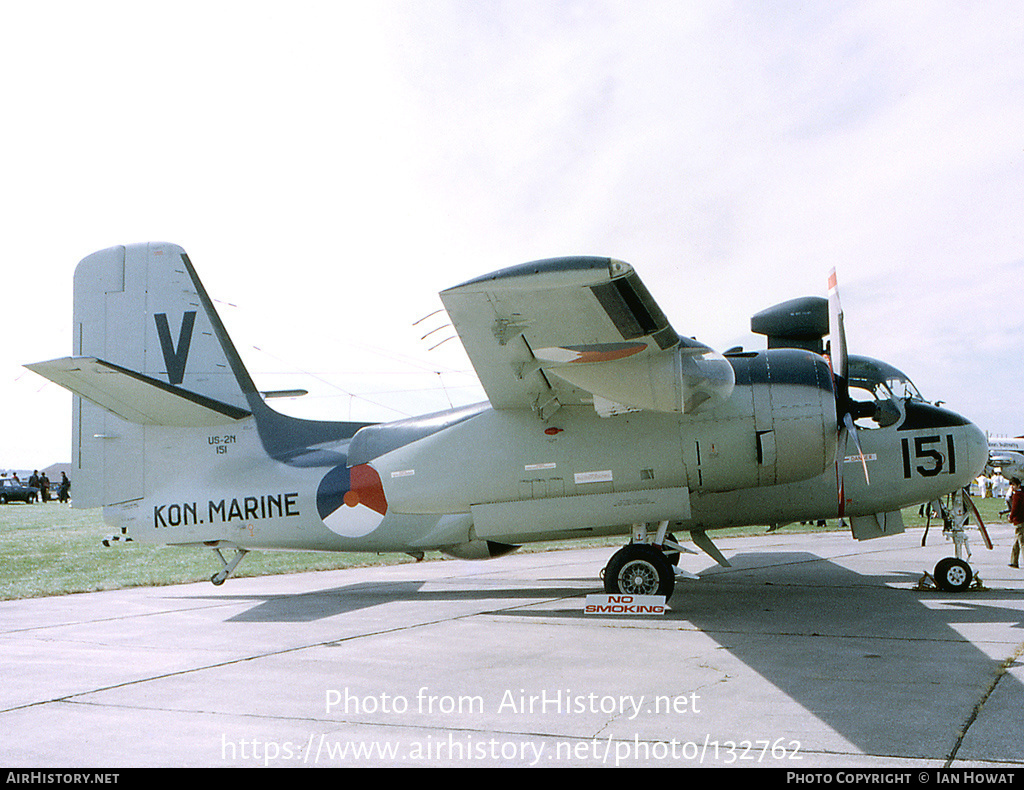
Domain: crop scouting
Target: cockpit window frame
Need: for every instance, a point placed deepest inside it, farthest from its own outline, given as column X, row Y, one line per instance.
column 883, row 383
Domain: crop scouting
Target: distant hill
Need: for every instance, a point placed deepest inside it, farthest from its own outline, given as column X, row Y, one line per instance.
column 53, row 471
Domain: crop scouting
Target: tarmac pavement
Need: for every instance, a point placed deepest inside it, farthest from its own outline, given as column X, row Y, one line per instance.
column 812, row 651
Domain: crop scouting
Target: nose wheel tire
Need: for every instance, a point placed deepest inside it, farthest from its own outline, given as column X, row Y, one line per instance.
column 953, row 575
column 639, row 569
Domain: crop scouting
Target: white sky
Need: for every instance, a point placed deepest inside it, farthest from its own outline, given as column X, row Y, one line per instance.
column 331, row 166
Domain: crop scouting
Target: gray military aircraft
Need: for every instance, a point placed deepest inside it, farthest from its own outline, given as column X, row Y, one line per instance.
column 601, row 420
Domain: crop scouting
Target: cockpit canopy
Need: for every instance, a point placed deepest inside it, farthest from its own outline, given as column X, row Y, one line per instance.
column 881, row 379
column 888, row 387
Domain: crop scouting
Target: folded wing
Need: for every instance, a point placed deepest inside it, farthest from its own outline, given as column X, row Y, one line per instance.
column 566, row 331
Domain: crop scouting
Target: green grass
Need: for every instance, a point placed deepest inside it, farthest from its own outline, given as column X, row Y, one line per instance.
column 54, row 550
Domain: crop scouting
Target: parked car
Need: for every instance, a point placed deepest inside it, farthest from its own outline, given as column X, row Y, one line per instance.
column 13, row 491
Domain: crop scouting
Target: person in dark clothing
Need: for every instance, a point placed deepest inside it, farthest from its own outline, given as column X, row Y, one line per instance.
column 1017, row 519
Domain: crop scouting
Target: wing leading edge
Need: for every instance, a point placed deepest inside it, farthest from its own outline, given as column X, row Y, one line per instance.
column 566, row 331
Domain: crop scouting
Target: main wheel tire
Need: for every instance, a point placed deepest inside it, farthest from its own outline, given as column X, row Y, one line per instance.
column 639, row 569
column 953, row 575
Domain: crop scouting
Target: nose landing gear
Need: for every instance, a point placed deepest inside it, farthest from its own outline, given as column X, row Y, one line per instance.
column 953, row 574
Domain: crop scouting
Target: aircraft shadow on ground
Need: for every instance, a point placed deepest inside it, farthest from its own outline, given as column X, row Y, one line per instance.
column 883, row 666
column 886, row 667
column 321, row 604
column 885, row 670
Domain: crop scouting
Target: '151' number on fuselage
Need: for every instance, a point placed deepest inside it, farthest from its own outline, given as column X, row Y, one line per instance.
column 929, row 460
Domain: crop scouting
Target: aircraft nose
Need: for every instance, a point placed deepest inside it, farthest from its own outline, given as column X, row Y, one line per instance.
column 967, row 446
column 977, row 449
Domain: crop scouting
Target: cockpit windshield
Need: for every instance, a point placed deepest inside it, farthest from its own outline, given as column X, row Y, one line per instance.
column 881, row 382
column 881, row 379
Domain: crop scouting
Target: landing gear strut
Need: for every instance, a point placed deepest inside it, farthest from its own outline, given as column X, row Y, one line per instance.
column 229, row 566
column 953, row 574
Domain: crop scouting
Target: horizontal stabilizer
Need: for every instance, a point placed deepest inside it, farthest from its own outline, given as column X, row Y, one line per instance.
column 135, row 397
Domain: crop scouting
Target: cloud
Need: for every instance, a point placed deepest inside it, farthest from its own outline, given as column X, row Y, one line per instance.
column 330, row 168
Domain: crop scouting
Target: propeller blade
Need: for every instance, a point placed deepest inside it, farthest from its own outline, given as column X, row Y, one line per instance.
column 840, row 460
column 836, row 329
column 852, row 429
column 838, row 362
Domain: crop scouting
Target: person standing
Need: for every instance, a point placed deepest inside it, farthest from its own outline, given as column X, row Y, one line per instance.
column 1017, row 519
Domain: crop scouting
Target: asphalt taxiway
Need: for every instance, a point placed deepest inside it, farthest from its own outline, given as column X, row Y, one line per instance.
column 811, row 651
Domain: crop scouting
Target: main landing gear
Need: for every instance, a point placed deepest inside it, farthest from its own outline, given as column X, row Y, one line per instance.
column 639, row 569
column 647, row 566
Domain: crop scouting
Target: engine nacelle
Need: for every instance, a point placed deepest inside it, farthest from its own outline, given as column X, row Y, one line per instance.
column 780, row 426
column 794, row 415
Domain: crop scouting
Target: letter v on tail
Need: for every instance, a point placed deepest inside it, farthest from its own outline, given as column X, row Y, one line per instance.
column 175, row 358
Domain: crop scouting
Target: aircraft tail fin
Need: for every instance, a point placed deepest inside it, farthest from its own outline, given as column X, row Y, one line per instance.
column 142, row 308
column 151, row 354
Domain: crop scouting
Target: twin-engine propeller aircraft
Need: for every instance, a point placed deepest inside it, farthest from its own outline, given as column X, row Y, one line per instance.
column 601, row 420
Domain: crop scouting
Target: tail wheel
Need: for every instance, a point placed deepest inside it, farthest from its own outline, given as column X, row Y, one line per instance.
column 953, row 575
column 639, row 569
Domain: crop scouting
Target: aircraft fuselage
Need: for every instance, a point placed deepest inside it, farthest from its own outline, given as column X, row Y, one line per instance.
column 767, row 456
